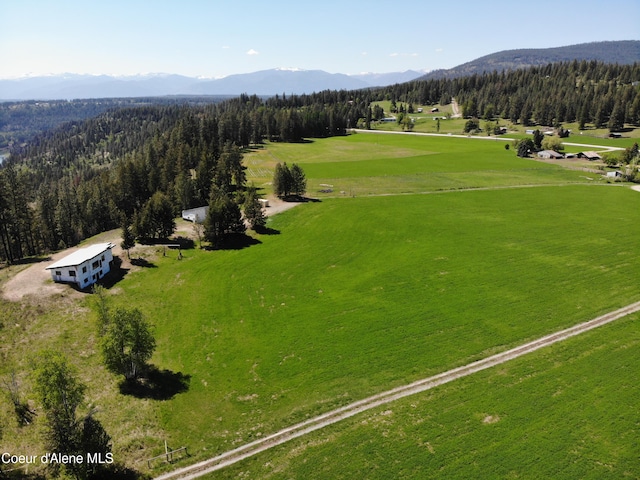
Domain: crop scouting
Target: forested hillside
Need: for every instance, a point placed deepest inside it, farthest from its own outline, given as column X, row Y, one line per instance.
column 585, row 92
column 88, row 176
column 21, row 120
column 620, row 52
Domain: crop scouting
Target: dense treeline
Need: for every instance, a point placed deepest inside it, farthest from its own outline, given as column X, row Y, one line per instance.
column 139, row 165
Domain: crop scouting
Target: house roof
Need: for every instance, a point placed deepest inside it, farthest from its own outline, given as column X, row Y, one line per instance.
column 549, row 153
column 81, row 256
column 591, row 154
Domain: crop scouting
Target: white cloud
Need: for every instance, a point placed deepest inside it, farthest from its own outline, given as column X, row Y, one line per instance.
column 253, row 52
column 226, row 47
column 439, row 50
column 395, row 54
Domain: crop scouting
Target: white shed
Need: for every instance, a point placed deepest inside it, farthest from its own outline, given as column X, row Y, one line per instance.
column 196, row 215
column 85, row 266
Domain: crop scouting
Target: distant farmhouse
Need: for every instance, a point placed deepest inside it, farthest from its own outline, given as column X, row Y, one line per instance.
column 83, row 267
column 550, row 154
column 590, row 156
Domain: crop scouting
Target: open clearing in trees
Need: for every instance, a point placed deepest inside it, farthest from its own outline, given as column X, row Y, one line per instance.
column 349, row 297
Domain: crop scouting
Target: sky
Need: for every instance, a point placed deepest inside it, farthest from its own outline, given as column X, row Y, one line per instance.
column 215, row 38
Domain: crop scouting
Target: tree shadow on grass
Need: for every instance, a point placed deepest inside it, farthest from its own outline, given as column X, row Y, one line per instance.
column 235, row 241
column 157, row 384
column 267, row 231
column 143, row 262
column 300, row 199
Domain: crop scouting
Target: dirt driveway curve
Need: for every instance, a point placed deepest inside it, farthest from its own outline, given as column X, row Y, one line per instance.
column 35, row 281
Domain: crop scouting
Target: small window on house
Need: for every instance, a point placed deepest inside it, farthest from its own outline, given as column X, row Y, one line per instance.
column 58, row 273
column 103, row 258
column 95, row 264
column 72, row 273
column 84, row 269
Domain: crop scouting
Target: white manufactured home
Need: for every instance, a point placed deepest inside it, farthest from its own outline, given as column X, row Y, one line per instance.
column 83, row 267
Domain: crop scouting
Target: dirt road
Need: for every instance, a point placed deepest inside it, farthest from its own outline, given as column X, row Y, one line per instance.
column 334, row 416
column 455, row 108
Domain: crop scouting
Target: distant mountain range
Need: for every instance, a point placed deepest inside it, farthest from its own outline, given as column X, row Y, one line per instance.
column 295, row 81
column 265, row 82
column 621, row 52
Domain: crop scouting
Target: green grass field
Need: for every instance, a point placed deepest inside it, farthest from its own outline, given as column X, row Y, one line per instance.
column 352, row 296
column 567, row 411
column 323, row 314
column 376, row 164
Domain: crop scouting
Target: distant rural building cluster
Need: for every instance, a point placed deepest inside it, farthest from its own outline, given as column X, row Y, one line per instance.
column 553, row 155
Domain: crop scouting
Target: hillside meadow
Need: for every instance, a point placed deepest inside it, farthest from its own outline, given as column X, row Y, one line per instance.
column 381, row 164
column 347, row 297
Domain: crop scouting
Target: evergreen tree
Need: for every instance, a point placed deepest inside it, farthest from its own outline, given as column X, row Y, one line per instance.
column 156, row 219
column 282, row 180
column 223, row 218
column 253, row 211
column 128, row 238
column 298, row 180
column 538, row 136
column 616, row 121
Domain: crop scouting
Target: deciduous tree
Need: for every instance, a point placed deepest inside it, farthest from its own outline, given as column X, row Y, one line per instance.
column 60, row 394
column 128, row 343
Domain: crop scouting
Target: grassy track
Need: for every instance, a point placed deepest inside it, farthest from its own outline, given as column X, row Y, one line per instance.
column 550, row 414
column 391, row 396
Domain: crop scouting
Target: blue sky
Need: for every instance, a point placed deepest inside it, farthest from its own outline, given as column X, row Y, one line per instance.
column 216, row 38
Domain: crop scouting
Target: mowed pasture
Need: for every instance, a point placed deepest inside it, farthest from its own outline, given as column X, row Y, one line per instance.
column 348, row 297
column 379, row 163
column 568, row 411
column 356, row 296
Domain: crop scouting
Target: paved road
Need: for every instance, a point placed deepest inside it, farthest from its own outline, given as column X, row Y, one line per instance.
column 334, row 416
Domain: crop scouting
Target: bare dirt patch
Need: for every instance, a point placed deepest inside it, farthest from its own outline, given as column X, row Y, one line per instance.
column 491, row 419
column 36, row 282
column 277, row 206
